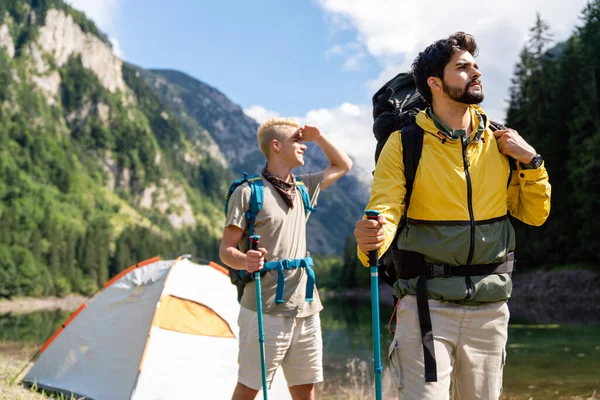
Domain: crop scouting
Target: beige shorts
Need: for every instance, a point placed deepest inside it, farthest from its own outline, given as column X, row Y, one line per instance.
column 293, row 343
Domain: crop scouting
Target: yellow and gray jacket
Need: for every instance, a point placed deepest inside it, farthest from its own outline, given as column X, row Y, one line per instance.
column 458, row 214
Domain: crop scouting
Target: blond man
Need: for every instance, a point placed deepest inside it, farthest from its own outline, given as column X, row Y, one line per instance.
column 291, row 316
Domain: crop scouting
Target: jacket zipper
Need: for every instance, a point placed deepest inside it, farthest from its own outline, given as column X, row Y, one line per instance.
column 471, row 215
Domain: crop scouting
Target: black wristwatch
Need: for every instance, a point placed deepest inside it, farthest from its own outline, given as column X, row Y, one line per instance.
column 535, row 163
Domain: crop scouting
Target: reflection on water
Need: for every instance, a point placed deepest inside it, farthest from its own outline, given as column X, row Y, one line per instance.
column 553, row 360
column 545, row 361
column 32, row 328
column 346, row 325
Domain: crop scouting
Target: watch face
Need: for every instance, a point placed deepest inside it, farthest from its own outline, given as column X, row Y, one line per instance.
column 537, row 161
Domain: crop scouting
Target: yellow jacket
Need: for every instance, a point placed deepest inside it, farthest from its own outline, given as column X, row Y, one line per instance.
column 459, row 204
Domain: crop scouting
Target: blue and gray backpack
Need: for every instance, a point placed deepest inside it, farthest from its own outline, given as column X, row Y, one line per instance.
column 241, row 278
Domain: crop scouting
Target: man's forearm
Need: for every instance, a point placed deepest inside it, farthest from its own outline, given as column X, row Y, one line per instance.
column 336, row 157
column 233, row 258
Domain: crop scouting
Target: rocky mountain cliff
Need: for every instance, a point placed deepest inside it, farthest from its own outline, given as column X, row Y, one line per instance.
column 97, row 173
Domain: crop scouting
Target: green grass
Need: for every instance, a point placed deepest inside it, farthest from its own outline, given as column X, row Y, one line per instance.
column 12, row 359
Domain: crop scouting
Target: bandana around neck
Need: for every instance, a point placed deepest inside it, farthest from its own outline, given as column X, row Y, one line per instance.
column 286, row 190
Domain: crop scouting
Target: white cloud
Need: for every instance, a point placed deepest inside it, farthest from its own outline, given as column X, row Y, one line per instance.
column 103, row 12
column 394, row 32
column 351, row 52
column 260, row 113
column 352, row 63
column 334, row 50
column 116, row 47
column 349, row 126
column 337, row 23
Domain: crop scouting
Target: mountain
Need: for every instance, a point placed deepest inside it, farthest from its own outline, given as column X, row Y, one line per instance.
column 97, row 173
column 103, row 164
column 201, row 107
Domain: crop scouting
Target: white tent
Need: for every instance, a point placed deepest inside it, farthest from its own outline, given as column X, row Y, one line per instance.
column 159, row 330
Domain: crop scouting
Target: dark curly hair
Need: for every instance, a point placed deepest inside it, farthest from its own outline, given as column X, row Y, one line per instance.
column 433, row 60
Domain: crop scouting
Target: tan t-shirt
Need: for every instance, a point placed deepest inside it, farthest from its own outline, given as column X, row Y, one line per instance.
column 282, row 232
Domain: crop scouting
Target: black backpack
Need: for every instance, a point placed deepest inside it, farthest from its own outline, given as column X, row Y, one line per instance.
column 395, row 107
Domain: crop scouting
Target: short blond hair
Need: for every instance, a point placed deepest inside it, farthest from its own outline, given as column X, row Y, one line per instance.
column 273, row 129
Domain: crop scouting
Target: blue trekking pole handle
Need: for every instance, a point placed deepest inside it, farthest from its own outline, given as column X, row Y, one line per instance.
column 371, row 214
column 254, row 242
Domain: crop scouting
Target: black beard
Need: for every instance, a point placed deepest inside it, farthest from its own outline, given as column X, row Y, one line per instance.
column 464, row 96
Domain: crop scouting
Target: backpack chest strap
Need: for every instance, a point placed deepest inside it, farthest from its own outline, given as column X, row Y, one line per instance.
column 280, row 265
column 412, row 264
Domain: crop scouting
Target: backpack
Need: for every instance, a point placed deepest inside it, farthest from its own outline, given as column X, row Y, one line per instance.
column 257, row 189
column 395, row 107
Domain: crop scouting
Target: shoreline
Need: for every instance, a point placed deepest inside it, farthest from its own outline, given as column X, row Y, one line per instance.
column 567, row 295
column 541, row 297
column 24, row 305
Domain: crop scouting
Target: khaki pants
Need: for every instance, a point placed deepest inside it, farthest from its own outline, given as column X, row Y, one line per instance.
column 469, row 342
column 295, row 344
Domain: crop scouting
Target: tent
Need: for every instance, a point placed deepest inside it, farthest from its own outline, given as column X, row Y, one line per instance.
column 158, row 330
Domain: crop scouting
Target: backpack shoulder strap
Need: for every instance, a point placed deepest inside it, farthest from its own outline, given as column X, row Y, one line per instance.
column 257, row 194
column 257, row 191
column 412, row 147
column 240, row 278
column 305, row 197
column 411, row 136
column 234, row 185
column 496, row 126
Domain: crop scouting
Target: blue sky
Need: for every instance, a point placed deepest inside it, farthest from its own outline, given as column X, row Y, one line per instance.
column 320, row 60
column 279, row 54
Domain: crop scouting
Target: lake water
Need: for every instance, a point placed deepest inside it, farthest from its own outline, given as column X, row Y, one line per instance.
column 545, row 361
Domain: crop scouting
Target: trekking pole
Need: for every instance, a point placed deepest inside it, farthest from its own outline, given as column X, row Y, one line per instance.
column 371, row 214
column 261, row 330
